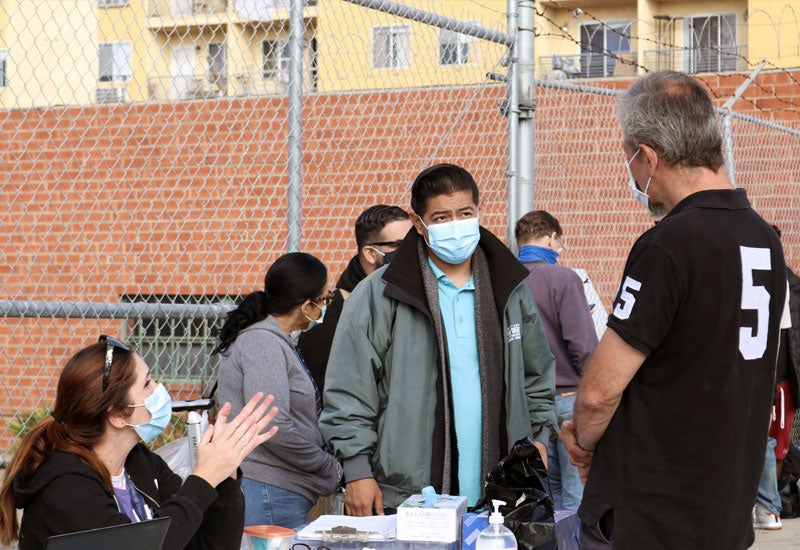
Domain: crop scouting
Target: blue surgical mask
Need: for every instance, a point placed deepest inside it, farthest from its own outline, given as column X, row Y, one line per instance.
column 453, row 242
column 316, row 322
column 159, row 405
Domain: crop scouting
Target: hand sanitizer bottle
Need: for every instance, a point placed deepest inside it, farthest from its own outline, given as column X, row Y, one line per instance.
column 194, row 431
column 496, row 536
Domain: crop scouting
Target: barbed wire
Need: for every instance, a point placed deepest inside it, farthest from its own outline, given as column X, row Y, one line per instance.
column 489, row 8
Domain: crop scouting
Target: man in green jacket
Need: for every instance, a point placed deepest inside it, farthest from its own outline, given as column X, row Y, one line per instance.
column 440, row 362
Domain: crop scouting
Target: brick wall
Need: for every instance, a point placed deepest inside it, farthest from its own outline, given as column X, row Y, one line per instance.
column 190, row 198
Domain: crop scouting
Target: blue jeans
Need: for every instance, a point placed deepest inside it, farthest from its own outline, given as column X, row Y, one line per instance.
column 269, row 505
column 565, row 482
column 768, row 495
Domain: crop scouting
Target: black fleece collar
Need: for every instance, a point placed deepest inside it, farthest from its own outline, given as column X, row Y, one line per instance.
column 353, row 274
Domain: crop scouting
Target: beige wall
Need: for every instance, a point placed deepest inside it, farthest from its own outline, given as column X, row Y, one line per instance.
column 345, row 34
column 52, row 44
column 52, row 52
column 774, row 32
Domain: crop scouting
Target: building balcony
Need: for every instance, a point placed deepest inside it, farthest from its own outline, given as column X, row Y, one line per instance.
column 171, row 8
column 186, row 87
column 197, row 86
column 588, row 65
column 721, row 59
column 186, row 13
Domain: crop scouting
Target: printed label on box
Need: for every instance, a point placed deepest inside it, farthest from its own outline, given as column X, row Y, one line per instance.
column 440, row 523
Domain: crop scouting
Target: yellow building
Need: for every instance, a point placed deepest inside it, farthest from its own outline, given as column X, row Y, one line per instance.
column 78, row 52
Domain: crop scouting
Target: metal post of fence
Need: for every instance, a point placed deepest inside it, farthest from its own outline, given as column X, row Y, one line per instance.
column 512, row 169
column 527, row 11
column 727, row 130
column 294, row 140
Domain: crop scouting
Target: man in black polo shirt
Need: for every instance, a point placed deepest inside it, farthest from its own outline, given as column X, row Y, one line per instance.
column 672, row 413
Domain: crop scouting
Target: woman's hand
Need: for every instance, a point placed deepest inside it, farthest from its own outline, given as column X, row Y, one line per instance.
column 225, row 444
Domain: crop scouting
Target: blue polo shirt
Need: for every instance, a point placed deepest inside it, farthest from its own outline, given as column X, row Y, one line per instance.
column 457, row 306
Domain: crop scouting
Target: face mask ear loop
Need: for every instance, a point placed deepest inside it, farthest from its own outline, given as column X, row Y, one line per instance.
column 646, row 187
column 303, row 311
column 424, row 238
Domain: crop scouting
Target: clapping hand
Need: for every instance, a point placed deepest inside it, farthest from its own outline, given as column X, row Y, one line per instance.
column 226, row 443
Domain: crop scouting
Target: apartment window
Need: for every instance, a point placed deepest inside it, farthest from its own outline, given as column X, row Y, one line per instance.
column 600, row 45
column 275, row 58
column 176, row 349
column 712, row 39
column 454, row 47
column 115, row 62
column 391, row 47
column 112, row 3
column 314, row 64
column 3, row 57
column 217, row 65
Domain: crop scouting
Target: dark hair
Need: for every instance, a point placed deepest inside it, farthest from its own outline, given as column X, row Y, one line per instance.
column 535, row 225
column 76, row 424
column 672, row 113
column 777, row 230
column 440, row 179
column 371, row 222
column 293, row 278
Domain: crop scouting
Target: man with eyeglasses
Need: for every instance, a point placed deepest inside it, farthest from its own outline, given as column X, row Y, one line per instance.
column 379, row 231
column 439, row 363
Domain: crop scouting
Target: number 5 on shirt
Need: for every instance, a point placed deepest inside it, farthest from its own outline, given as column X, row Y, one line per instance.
column 754, row 297
column 626, row 299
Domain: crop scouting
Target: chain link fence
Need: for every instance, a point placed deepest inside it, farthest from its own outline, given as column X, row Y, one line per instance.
column 146, row 184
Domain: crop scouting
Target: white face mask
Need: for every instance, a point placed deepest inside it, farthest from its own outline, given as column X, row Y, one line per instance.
column 641, row 196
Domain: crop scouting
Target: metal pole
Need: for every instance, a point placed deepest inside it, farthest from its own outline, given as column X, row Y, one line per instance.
column 527, row 66
column 512, row 169
column 727, row 143
column 414, row 14
column 294, row 143
column 727, row 130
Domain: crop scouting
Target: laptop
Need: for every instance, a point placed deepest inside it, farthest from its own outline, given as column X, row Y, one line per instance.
column 145, row 535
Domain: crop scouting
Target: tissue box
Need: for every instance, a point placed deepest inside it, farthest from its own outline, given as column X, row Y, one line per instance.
column 472, row 524
column 441, row 523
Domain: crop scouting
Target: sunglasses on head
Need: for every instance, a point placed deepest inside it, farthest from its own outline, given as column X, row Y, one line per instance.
column 111, row 344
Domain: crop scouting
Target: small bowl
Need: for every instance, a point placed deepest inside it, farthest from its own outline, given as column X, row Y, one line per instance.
column 269, row 537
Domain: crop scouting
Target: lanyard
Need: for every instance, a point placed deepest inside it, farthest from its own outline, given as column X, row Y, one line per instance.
column 137, row 501
column 317, row 394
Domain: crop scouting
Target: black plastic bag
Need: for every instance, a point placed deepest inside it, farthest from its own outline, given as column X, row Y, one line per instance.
column 788, row 484
column 520, row 480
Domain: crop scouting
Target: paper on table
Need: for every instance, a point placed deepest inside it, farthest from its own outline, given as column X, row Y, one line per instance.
column 385, row 527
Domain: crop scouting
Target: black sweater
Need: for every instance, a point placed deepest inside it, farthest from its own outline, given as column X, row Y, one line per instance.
column 64, row 495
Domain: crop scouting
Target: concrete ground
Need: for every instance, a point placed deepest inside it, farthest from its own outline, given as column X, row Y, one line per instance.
column 786, row 538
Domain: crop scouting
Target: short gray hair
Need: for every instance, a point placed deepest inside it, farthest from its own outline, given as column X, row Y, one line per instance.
column 672, row 113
